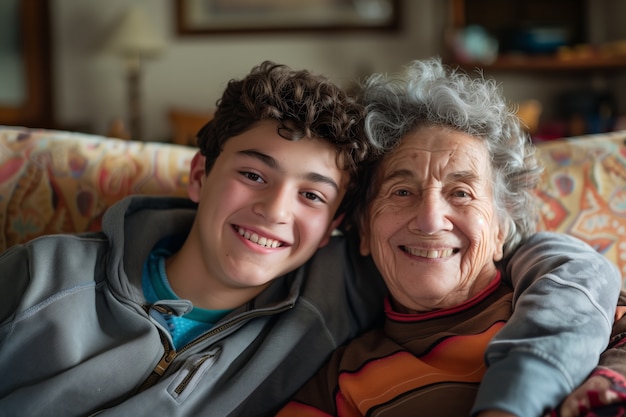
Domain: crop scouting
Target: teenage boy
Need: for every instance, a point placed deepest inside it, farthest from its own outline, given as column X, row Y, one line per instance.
column 173, row 309
column 176, row 308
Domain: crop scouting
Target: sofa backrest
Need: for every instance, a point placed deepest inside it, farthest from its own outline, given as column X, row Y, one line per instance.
column 62, row 182
column 583, row 191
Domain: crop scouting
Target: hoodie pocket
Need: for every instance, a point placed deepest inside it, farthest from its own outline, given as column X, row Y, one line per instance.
column 191, row 373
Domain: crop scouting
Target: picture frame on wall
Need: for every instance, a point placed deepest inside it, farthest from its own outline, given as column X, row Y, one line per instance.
column 206, row 17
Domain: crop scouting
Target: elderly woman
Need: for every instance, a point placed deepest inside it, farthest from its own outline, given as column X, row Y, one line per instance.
column 449, row 201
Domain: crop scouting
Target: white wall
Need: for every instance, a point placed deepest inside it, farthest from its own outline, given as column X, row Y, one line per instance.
column 89, row 85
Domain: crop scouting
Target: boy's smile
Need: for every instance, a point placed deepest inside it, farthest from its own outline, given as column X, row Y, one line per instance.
column 264, row 208
column 259, row 240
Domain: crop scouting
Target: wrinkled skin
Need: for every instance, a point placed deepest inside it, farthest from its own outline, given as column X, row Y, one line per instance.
column 432, row 228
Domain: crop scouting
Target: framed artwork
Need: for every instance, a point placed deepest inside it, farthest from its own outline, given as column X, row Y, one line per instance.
column 196, row 17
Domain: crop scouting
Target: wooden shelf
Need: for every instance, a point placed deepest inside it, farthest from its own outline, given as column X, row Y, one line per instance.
column 503, row 17
column 551, row 63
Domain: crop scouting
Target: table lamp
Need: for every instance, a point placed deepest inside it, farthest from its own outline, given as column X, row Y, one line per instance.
column 135, row 39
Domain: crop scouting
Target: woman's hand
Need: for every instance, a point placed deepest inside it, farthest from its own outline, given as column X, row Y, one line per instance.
column 595, row 392
column 580, row 400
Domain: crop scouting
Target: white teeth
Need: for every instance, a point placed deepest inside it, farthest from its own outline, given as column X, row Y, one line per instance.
column 261, row 241
column 431, row 254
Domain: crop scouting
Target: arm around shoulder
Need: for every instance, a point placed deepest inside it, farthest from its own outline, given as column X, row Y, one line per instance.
column 565, row 295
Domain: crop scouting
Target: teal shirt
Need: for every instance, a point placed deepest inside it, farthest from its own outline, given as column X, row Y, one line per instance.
column 183, row 329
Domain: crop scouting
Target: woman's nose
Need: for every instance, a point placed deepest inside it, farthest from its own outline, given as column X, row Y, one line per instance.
column 430, row 215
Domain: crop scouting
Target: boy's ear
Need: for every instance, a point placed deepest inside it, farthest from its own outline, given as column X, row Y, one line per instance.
column 333, row 225
column 196, row 177
column 364, row 244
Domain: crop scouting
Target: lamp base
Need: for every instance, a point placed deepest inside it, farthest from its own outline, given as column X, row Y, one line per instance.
column 134, row 101
column 117, row 129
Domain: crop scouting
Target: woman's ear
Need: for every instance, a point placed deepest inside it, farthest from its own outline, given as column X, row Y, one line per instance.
column 503, row 232
column 196, row 177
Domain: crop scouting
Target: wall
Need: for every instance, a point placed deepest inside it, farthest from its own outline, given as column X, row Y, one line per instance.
column 90, row 88
column 90, row 85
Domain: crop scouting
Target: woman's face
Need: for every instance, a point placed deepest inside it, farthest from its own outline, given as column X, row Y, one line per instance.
column 433, row 230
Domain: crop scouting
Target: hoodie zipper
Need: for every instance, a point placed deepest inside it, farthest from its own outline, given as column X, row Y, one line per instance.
column 168, row 356
column 170, row 353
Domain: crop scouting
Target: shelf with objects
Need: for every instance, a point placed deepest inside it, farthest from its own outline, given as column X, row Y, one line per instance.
column 555, row 40
column 529, row 35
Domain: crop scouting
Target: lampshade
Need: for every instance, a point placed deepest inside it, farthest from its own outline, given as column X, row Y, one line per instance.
column 135, row 35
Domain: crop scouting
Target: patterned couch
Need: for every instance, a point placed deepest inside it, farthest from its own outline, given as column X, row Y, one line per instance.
column 53, row 182
column 583, row 192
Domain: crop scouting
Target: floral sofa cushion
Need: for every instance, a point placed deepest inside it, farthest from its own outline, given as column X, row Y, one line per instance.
column 583, row 192
column 62, row 182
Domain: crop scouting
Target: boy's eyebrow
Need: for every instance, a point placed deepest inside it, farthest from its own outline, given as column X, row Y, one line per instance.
column 273, row 163
column 266, row 159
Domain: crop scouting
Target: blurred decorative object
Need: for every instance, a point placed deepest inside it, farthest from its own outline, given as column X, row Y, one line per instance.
column 615, row 48
column 117, row 129
column 608, row 52
column 588, row 111
column 529, row 112
column 135, row 39
column 472, row 44
column 197, row 17
column 185, row 125
column 535, row 38
column 577, row 52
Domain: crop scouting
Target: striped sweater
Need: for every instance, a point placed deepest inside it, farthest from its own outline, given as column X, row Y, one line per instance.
column 417, row 364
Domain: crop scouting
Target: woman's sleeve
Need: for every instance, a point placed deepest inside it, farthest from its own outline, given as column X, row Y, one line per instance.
column 612, row 362
column 565, row 295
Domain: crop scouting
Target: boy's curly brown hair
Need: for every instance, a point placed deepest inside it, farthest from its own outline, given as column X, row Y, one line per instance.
column 303, row 104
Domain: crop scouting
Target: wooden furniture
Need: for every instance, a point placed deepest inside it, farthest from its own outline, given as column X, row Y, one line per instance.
column 32, row 53
column 185, row 124
column 569, row 46
column 499, row 16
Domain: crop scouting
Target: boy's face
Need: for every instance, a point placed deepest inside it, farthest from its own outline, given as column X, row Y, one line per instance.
column 265, row 207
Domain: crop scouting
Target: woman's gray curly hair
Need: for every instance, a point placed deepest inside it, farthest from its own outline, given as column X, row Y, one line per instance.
column 430, row 93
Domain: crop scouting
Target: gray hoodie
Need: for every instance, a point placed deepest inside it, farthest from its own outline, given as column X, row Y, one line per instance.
column 77, row 338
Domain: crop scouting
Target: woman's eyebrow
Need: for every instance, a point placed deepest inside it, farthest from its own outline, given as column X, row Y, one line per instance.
column 273, row 163
column 467, row 176
column 398, row 173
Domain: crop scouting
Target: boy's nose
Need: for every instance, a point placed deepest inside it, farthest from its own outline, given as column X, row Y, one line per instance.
column 276, row 206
